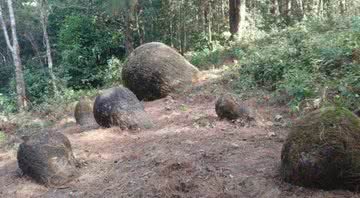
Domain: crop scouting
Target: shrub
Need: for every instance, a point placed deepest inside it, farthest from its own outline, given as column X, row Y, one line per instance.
column 7, row 104
column 86, row 47
column 207, row 58
column 112, row 74
column 299, row 85
column 303, row 59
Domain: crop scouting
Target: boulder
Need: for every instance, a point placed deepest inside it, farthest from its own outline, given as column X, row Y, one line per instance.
column 48, row 159
column 154, row 70
column 120, row 107
column 322, row 150
column 227, row 107
column 84, row 112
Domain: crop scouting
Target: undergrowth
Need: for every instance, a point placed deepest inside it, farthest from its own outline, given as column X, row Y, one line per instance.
column 309, row 61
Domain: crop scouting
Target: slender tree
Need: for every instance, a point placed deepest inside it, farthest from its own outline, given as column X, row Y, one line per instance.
column 15, row 52
column 237, row 13
column 44, row 13
column 130, row 8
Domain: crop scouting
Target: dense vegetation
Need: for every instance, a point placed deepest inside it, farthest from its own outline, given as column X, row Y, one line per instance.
column 299, row 50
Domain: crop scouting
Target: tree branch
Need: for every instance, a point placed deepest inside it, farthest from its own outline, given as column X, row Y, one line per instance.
column 6, row 35
column 13, row 26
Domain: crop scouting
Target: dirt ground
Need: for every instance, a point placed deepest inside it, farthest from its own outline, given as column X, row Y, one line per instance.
column 190, row 153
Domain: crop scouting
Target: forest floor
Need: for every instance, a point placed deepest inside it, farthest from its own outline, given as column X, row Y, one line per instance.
column 189, row 153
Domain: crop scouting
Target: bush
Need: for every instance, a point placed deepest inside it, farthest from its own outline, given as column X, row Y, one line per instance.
column 303, row 59
column 7, row 104
column 55, row 108
column 38, row 84
column 299, row 85
column 215, row 57
column 86, row 47
column 206, row 58
column 112, row 74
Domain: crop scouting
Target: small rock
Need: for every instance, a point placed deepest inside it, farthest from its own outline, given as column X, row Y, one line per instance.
column 235, row 145
column 269, row 123
column 169, row 100
column 271, row 134
column 278, row 124
column 278, row 118
column 48, row 159
column 167, row 108
column 317, row 103
column 118, row 106
column 228, row 107
column 3, row 119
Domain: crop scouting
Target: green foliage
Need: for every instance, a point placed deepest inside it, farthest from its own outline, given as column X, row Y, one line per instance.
column 277, row 51
column 6, row 73
column 299, row 84
column 86, row 47
column 38, row 81
column 303, row 59
column 215, row 57
column 206, row 58
column 55, row 108
column 7, row 104
column 112, row 74
column 349, row 87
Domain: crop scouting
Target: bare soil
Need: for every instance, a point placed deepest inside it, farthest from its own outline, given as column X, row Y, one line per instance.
column 189, row 153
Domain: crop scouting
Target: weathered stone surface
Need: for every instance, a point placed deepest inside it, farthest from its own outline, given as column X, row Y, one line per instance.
column 48, row 159
column 154, row 70
column 227, row 107
column 323, row 150
column 84, row 112
column 120, row 107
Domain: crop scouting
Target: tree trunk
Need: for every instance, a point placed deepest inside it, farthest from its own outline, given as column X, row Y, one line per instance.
column 342, row 7
column 171, row 33
column 139, row 31
column 234, row 17
column 297, row 8
column 209, row 24
column 285, row 10
column 223, row 16
column 182, row 29
column 29, row 36
column 44, row 22
column 15, row 51
column 206, row 17
column 242, row 17
column 274, row 9
column 128, row 36
column 129, row 25
column 237, row 13
column 320, row 8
